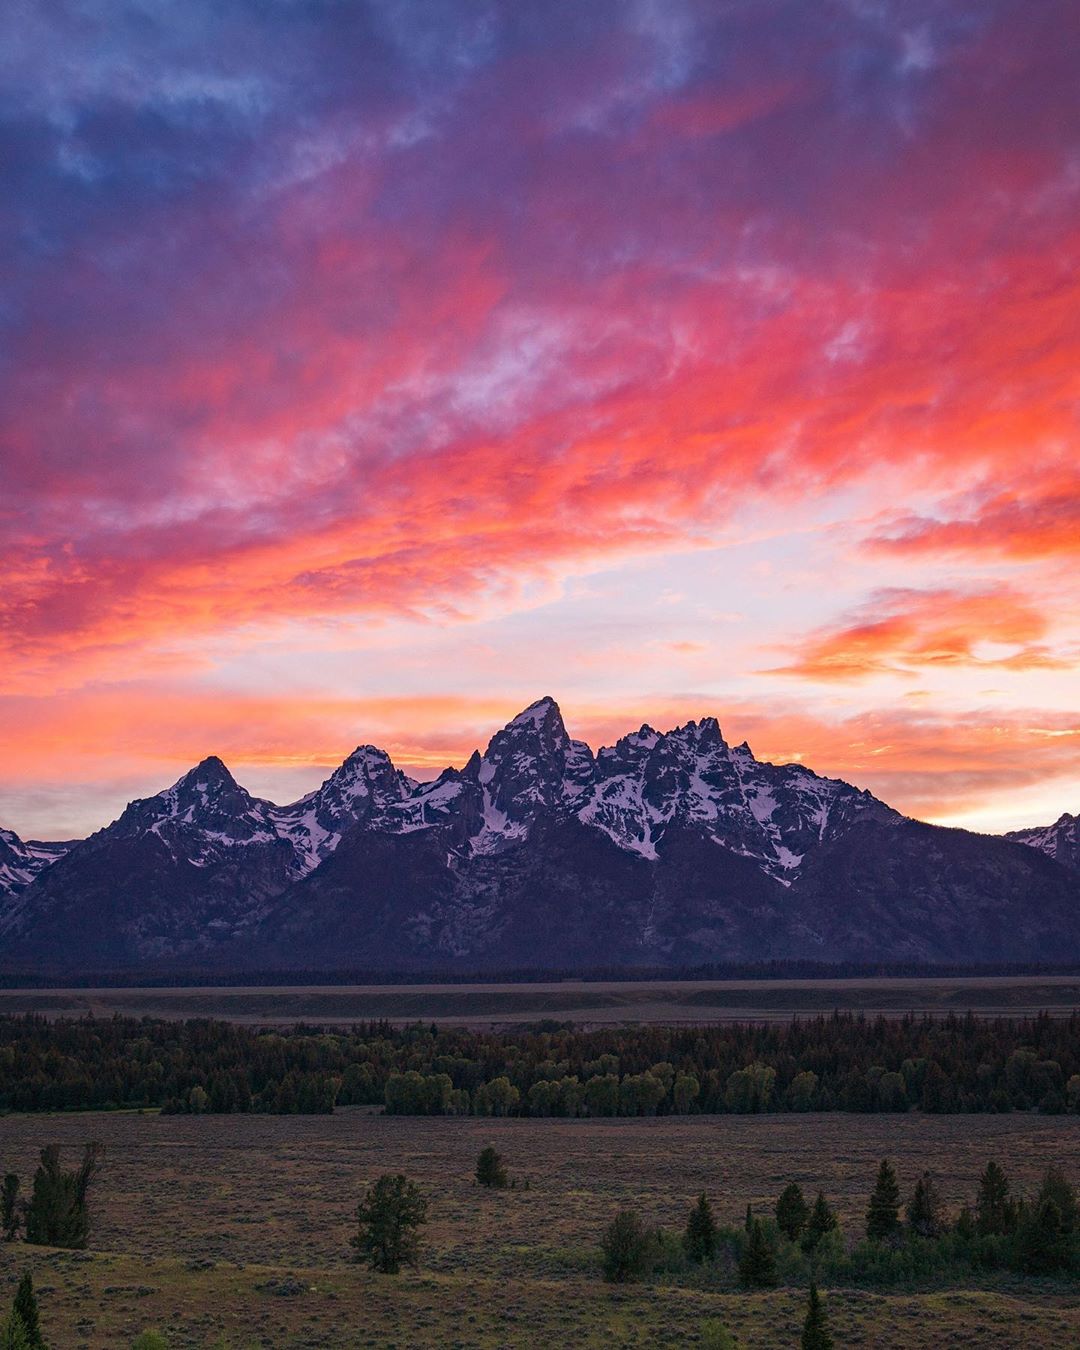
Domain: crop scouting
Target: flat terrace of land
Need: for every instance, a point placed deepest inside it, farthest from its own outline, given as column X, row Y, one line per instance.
column 588, row 1004
column 233, row 1230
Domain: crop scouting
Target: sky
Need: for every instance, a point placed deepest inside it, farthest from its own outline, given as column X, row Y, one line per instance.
column 369, row 370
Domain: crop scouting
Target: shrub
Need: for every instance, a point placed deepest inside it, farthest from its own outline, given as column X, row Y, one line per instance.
column 628, row 1248
column 489, row 1168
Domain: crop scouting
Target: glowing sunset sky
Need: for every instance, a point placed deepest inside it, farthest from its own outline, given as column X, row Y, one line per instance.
column 367, row 371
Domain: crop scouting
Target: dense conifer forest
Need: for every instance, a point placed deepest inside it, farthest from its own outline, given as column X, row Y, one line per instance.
column 835, row 1063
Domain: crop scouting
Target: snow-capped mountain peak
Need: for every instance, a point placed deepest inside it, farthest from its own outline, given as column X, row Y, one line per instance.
column 363, row 790
column 1060, row 841
column 21, row 860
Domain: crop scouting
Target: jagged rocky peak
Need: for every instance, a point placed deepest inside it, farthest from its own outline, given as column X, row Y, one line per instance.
column 1060, row 841
column 361, row 791
column 21, row 860
column 207, row 796
column 533, row 763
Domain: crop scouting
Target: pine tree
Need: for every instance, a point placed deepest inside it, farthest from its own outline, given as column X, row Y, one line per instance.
column 815, row 1334
column 10, row 1215
column 25, row 1308
column 757, row 1265
column 1042, row 1245
column 390, row 1216
column 13, row 1334
column 1056, row 1187
column 923, row 1209
column 822, row 1220
column 748, row 1221
column 995, row 1213
column 883, row 1216
column 701, row 1239
column 792, row 1211
column 489, row 1168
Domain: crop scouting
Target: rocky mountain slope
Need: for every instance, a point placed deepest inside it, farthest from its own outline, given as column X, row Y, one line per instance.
column 1060, row 841
column 664, row 848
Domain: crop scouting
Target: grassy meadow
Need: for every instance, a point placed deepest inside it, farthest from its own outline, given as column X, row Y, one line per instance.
column 593, row 1003
column 233, row 1230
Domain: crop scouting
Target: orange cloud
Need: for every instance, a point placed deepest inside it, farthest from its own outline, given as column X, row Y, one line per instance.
column 904, row 630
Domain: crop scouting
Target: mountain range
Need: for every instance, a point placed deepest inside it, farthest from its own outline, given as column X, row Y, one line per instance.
column 667, row 848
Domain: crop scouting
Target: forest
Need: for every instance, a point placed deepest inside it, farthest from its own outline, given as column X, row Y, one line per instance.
column 842, row 1062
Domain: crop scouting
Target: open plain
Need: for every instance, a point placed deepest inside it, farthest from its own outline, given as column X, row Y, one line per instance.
column 585, row 1003
column 233, row 1230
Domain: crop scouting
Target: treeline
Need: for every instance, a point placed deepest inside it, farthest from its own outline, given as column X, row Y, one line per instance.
column 842, row 1062
column 916, row 1244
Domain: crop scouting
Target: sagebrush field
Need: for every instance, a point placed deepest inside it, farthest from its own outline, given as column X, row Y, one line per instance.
column 233, row 1230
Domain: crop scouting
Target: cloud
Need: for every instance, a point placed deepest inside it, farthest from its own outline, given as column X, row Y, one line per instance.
column 904, row 631
column 409, row 312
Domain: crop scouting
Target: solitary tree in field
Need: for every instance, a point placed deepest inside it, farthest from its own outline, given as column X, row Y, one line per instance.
column 815, row 1334
column 757, row 1265
column 923, row 1214
column 792, row 1211
column 10, row 1213
column 701, row 1239
column 25, row 1308
column 883, row 1216
column 57, row 1215
column 389, row 1218
column 489, row 1168
column 628, row 1248
column 995, row 1213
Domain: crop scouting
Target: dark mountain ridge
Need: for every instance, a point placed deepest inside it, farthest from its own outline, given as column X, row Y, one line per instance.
column 665, row 849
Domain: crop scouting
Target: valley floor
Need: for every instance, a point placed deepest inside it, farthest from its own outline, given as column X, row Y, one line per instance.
column 237, row 1227
column 587, row 1003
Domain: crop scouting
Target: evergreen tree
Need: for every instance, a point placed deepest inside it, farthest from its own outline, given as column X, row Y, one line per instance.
column 25, row 1308
column 1055, row 1187
column 815, row 1333
column 1042, row 1245
column 883, row 1216
column 748, row 1221
column 389, row 1218
column 13, row 1334
column 995, row 1213
column 10, row 1215
column 628, row 1248
column 715, row 1336
column 57, row 1215
column 489, row 1168
column 964, row 1228
column 822, row 1220
column 792, row 1211
column 923, row 1214
column 757, row 1264
column 701, row 1239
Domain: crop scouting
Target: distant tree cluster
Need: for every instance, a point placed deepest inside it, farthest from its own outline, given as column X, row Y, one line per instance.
column 912, row 1243
column 842, row 1062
